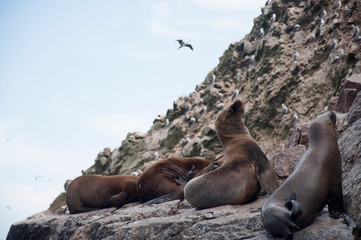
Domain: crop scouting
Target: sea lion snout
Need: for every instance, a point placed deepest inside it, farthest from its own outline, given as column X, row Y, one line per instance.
column 237, row 106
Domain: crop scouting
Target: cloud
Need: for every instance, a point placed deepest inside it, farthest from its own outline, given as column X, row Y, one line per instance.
column 118, row 125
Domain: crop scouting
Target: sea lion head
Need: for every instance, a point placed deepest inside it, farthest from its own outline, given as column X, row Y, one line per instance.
column 322, row 126
column 229, row 121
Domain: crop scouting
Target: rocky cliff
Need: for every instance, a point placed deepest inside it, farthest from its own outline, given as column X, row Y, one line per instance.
column 294, row 54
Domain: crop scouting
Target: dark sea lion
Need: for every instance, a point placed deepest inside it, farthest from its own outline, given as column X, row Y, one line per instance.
column 165, row 180
column 243, row 171
column 92, row 192
column 315, row 182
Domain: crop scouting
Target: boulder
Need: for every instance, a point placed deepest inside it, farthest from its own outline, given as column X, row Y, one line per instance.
column 348, row 93
column 170, row 220
column 285, row 161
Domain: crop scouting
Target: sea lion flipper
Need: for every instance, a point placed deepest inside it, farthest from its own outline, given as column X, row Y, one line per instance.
column 175, row 195
column 265, row 173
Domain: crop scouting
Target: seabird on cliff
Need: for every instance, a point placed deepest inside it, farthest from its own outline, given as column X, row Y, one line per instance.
column 321, row 23
column 296, row 28
column 200, row 101
column 335, row 14
column 203, row 110
column 235, row 94
column 251, row 61
column 284, row 109
column 166, row 123
column 186, row 141
column 213, row 78
column 192, row 120
column 336, row 60
column 334, row 45
column 220, row 95
column 220, row 106
column 347, row 11
column 296, row 56
column 183, row 44
column 261, row 33
column 155, row 155
column 323, row 14
column 357, row 30
column 294, row 118
column 342, row 54
column 338, row 3
column 311, row 39
column 273, row 18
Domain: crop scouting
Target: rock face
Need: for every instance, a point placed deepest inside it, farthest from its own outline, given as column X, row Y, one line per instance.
column 265, row 73
column 171, row 220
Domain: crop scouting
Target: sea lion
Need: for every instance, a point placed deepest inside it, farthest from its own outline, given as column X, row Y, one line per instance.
column 315, row 182
column 244, row 169
column 92, row 192
column 165, row 180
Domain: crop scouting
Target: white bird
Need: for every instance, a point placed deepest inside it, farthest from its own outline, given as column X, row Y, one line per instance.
column 200, row 101
column 183, row 44
column 166, row 123
column 311, row 39
column 220, row 95
column 323, row 14
column 284, row 109
column 334, row 45
column 335, row 14
column 155, row 155
column 261, row 33
column 235, row 94
column 347, row 11
column 294, row 118
column 273, row 18
column 135, row 173
column 296, row 56
column 357, row 30
column 342, row 54
column 213, row 78
column 186, row 141
column 336, row 60
column 251, row 61
column 203, row 110
column 338, row 3
column 220, row 106
column 321, row 23
column 192, row 120
column 296, row 28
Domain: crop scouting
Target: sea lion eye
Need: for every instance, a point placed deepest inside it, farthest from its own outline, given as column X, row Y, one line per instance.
column 231, row 111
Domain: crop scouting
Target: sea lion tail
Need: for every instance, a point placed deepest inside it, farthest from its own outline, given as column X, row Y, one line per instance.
column 294, row 207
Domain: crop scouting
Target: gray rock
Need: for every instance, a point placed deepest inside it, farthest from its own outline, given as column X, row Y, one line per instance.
column 170, row 220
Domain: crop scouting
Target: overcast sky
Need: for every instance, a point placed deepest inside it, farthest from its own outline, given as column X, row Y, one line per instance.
column 77, row 76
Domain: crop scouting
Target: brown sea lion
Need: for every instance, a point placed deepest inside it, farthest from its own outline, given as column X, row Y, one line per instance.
column 245, row 168
column 165, row 180
column 315, row 182
column 92, row 192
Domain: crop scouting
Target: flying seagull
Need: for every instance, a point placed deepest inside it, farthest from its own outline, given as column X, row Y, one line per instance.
column 183, row 44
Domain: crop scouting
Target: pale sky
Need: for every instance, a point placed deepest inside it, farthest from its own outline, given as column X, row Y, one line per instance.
column 77, row 76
